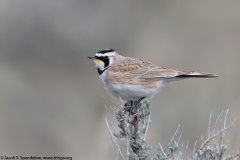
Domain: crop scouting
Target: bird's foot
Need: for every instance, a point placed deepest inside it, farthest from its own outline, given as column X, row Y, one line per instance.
column 132, row 106
column 128, row 106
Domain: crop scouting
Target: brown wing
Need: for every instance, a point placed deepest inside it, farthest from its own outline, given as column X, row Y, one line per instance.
column 137, row 71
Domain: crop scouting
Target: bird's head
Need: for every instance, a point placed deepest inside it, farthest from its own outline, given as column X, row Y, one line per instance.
column 103, row 59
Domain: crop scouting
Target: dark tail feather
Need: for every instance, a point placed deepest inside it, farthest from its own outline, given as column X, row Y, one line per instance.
column 196, row 75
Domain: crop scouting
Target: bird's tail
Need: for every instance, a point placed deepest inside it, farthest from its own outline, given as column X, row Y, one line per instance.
column 187, row 74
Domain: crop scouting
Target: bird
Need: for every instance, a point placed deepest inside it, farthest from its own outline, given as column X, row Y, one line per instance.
column 135, row 79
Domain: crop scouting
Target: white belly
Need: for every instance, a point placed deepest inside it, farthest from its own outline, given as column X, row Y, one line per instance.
column 132, row 92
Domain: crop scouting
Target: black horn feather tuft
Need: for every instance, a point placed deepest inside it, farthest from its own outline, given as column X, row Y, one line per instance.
column 106, row 51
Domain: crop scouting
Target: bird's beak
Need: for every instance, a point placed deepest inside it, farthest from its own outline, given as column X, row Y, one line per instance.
column 92, row 57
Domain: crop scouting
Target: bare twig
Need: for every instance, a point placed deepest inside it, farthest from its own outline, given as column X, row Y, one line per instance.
column 128, row 147
column 178, row 156
column 180, row 135
column 149, row 119
column 186, row 148
column 193, row 154
column 225, row 120
column 174, row 135
column 120, row 99
column 214, row 135
column 116, row 146
column 237, row 155
column 115, row 106
column 209, row 125
column 160, row 146
column 201, row 139
column 216, row 122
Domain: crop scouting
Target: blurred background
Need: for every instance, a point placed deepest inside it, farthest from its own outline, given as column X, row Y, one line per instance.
column 52, row 101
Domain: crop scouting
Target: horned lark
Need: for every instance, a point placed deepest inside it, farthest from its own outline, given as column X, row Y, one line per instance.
column 135, row 79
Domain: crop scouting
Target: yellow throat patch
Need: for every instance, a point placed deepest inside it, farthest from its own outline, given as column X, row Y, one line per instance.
column 99, row 64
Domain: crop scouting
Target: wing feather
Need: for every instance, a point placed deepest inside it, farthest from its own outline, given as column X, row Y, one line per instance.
column 139, row 71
